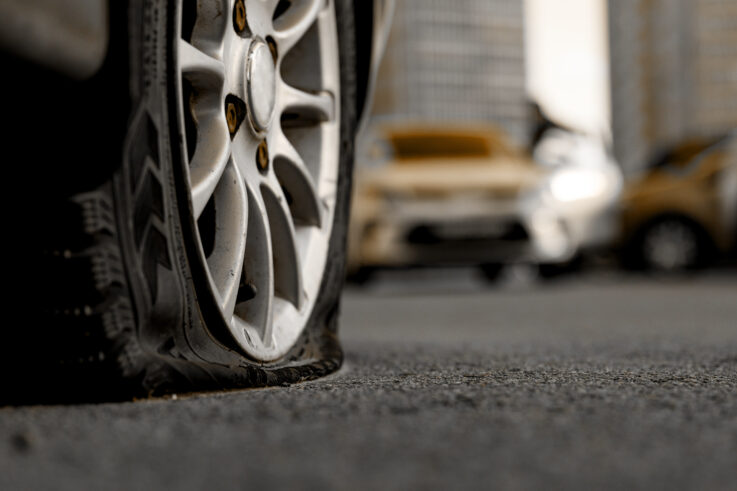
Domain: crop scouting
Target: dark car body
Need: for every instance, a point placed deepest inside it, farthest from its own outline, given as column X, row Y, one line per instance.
column 71, row 37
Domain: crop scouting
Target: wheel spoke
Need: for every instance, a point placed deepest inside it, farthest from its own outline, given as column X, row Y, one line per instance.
column 200, row 68
column 294, row 23
column 212, row 26
column 315, row 107
column 256, row 297
column 297, row 180
column 287, row 271
column 210, row 158
column 226, row 260
column 260, row 14
column 270, row 7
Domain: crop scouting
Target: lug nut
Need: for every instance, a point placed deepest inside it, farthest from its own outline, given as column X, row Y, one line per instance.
column 235, row 113
column 231, row 114
column 239, row 16
column 262, row 156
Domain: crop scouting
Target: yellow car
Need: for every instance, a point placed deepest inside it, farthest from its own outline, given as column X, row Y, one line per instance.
column 683, row 212
column 444, row 196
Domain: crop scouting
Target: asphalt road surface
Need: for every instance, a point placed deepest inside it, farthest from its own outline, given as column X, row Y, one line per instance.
column 595, row 382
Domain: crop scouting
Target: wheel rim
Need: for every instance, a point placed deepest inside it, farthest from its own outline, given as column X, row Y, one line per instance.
column 259, row 91
column 670, row 245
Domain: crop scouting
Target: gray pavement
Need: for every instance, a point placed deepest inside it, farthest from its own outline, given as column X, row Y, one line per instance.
column 593, row 382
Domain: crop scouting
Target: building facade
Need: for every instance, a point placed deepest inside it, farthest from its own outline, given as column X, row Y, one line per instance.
column 673, row 74
column 456, row 61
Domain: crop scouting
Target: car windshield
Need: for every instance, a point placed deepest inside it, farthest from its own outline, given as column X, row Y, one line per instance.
column 682, row 154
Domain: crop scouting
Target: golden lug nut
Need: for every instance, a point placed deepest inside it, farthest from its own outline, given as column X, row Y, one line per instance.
column 231, row 115
column 239, row 16
column 262, row 156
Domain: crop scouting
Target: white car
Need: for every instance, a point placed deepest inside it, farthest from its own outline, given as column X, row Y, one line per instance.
column 577, row 208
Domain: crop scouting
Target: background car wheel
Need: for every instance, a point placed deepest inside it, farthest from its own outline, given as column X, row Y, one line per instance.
column 491, row 271
column 551, row 271
column 671, row 245
column 212, row 254
column 362, row 276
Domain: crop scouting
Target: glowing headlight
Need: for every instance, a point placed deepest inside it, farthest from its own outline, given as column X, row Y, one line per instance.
column 576, row 184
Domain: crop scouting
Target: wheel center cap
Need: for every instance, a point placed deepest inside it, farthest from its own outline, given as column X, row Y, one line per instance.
column 260, row 84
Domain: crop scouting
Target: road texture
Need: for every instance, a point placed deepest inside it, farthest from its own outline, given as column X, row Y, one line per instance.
column 597, row 382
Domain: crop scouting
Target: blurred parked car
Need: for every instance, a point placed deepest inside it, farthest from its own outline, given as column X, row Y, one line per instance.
column 463, row 196
column 683, row 212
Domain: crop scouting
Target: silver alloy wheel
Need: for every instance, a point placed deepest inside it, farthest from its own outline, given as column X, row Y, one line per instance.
column 670, row 245
column 260, row 90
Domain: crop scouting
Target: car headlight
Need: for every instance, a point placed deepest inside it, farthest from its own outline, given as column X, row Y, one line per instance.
column 568, row 185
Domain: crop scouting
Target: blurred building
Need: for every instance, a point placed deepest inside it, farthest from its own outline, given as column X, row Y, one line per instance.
column 674, row 73
column 460, row 60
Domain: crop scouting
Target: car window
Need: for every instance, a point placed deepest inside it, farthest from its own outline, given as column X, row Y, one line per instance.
column 722, row 145
column 681, row 155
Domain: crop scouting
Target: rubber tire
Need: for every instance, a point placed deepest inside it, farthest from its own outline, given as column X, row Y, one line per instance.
column 551, row 271
column 491, row 271
column 120, row 316
column 362, row 276
column 704, row 249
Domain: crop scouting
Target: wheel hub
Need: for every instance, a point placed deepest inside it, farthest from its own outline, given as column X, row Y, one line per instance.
column 260, row 85
column 262, row 195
